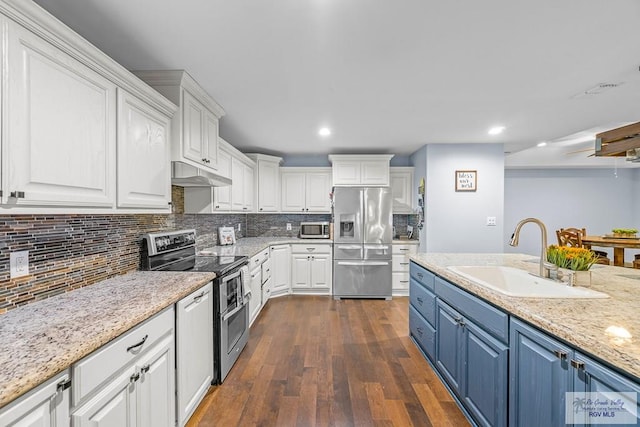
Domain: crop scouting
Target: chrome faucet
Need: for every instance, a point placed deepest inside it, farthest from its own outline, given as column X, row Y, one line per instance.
column 545, row 266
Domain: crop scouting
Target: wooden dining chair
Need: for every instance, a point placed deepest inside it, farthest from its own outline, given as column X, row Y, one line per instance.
column 573, row 237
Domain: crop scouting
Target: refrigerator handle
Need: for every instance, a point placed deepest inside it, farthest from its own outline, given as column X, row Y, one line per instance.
column 348, row 247
column 364, row 263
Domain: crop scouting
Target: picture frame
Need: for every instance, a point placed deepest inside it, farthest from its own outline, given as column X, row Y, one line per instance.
column 466, row 180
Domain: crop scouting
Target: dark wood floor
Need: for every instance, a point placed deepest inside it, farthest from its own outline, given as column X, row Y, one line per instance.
column 314, row 361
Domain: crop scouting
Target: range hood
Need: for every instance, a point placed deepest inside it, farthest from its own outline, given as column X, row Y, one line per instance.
column 623, row 141
column 185, row 175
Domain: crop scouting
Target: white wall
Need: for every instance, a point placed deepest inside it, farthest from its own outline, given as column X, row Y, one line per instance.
column 456, row 221
column 598, row 199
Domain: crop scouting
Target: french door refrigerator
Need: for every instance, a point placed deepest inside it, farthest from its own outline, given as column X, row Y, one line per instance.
column 362, row 242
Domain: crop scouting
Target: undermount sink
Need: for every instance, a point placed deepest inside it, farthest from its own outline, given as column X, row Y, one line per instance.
column 520, row 283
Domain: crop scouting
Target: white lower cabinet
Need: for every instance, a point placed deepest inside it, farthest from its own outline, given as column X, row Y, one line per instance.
column 45, row 406
column 400, row 267
column 311, row 269
column 130, row 381
column 194, row 350
column 281, row 270
column 255, row 296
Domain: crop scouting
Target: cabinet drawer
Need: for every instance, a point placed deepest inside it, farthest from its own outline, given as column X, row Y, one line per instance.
column 266, row 270
column 404, row 249
column 492, row 320
column 422, row 332
column 423, row 276
column 311, row 249
column 400, row 280
column 258, row 258
column 105, row 362
column 400, row 262
column 423, row 300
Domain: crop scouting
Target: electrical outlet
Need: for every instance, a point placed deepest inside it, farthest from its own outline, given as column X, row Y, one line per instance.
column 19, row 264
column 239, row 228
column 288, row 226
column 491, row 220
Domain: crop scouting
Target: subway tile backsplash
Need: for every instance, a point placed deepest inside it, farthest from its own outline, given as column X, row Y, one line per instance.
column 68, row 252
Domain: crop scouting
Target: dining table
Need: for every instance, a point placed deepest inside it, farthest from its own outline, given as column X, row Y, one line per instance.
column 619, row 244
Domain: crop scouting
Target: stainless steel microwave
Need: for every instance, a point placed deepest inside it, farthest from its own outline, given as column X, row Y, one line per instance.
column 314, row 230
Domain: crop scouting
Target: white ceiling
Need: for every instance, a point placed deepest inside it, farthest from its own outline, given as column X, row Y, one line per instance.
column 387, row 76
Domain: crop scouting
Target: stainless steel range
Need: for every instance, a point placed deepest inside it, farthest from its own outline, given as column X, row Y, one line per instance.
column 176, row 251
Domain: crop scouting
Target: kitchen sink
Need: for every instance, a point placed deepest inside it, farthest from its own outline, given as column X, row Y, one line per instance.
column 520, row 283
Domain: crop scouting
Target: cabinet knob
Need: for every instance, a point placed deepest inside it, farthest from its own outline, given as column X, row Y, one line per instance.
column 217, row 206
column 577, row 364
column 135, row 377
column 145, row 368
column 560, row 354
column 204, row 160
column 260, row 208
column 17, row 194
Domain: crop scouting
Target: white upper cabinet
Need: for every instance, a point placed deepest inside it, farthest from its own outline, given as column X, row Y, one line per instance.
column 195, row 126
column 144, row 174
column 61, row 139
column 360, row 170
column 267, row 182
column 237, row 197
column 402, row 189
column 69, row 139
column 305, row 190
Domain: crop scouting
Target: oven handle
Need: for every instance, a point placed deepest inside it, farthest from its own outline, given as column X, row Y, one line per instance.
column 232, row 312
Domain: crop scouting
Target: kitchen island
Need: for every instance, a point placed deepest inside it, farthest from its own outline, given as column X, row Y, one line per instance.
column 44, row 338
column 516, row 360
column 580, row 322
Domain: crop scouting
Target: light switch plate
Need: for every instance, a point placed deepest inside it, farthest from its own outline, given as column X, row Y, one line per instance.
column 491, row 220
column 19, row 264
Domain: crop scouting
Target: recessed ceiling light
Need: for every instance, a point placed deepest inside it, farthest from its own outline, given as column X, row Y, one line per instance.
column 496, row 130
column 542, row 144
column 324, row 132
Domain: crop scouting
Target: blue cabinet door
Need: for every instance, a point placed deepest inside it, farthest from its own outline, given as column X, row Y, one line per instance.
column 539, row 378
column 591, row 376
column 449, row 351
column 485, row 376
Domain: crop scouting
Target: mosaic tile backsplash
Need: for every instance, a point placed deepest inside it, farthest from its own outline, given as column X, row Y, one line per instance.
column 68, row 252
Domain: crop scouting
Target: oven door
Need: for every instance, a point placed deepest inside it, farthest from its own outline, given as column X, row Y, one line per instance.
column 234, row 321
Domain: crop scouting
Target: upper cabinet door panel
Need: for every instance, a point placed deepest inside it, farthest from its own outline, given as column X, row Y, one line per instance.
column 144, row 175
column 318, row 187
column 211, row 140
column 293, row 192
column 192, row 131
column 61, row 126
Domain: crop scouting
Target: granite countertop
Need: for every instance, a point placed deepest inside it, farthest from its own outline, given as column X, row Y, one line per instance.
column 44, row 338
column 251, row 246
column 580, row 322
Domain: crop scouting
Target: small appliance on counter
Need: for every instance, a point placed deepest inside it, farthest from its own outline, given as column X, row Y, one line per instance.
column 315, row 230
column 176, row 251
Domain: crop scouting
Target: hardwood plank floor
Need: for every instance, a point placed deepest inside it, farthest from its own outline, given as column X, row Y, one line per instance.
column 315, row 361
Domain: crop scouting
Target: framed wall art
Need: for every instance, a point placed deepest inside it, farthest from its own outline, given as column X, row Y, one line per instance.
column 466, row 180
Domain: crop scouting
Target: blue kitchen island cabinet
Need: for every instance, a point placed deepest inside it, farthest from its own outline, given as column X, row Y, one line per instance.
column 539, row 378
column 543, row 370
column 449, row 326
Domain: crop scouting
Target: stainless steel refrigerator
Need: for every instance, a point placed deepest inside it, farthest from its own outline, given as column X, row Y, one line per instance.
column 362, row 237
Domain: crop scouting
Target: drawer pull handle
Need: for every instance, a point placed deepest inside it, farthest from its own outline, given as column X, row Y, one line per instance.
column 311, row 249
column 404, row 281
column 419, row 299
column 135, row 377
column 404, row 249
column 145, row 369
column 562, row 355
column 197, row 298
column 419, row 329
column 63, row 385
column 419, row 275
column 131, row 347
column 577, row 364
column 404, row 263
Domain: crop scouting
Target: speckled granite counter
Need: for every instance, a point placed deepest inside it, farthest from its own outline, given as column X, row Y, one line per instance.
column 44, row 338
column 580, row 322
column 251, row 246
